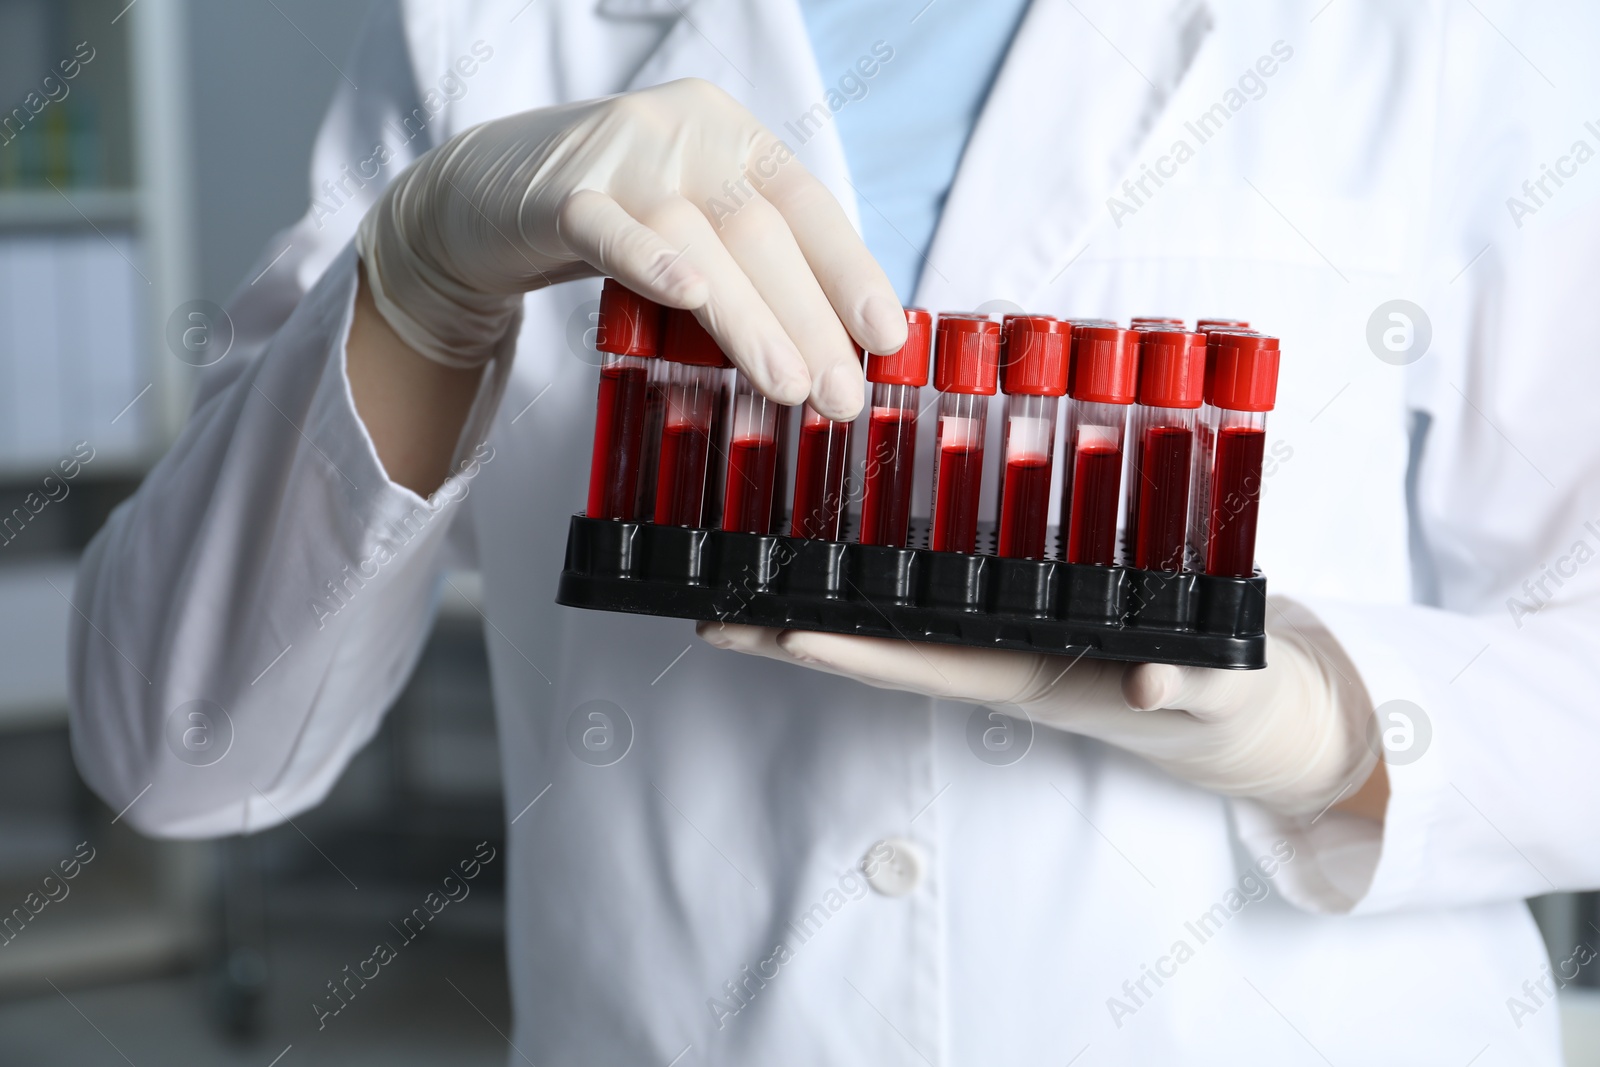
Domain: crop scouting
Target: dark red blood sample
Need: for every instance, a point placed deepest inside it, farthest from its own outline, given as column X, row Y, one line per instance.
column 886, row 500
column 618, row 435
column 681, row 475
column 819, row 480
column 955, row 516
column 1235, row 502
column 655, row 406
column 752, row 463
column 1026, row 511
column 718, row 467
column 785, row 442
column 1092, row 525
column 1163, row 473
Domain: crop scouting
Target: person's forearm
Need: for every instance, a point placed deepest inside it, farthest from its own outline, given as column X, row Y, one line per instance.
column 413, row 408
column 1372, row 799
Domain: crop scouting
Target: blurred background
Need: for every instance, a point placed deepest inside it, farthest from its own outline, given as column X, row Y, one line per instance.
column 153, row 177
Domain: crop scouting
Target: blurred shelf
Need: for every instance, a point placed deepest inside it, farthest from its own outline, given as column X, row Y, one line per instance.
column 94, row 948
column 33, row 641
column 70, row 208
column 105, row 468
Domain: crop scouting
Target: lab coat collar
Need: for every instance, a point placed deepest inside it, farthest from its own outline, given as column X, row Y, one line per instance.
column 760, row 54
column 1054, row 137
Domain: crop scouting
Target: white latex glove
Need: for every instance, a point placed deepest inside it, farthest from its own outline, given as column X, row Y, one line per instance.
column 1291, row 736
column 676, row 191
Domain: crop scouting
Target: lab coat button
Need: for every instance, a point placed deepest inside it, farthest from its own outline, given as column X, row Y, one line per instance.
column 894, row 866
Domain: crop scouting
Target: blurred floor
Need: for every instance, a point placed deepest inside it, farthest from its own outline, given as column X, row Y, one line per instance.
column 410, row 1014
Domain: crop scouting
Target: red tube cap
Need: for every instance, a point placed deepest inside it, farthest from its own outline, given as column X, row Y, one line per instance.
column 1172, row 368
column 1243, row 370
column 1207, row 325
column 1105, row 364
column 909, row 366
column 684, row 340
column 630, row 325
column 1153, row 320
column 967, row 355
column 1036, row 354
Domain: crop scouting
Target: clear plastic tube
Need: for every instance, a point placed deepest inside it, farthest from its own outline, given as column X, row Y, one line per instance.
column 780, row 484
column 958, row 471
column 618, row 437
column 821, row 462
column 752, row 461
column 716, row 475
column 688, row 419
column 1161, row 468
column 889, row 465
column 1236, row 442
column 1091, row 483
column 1030, row 445
column 655, row 406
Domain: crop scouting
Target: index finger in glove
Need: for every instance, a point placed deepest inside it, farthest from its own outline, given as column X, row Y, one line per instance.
column 979, row 675
column 855, row 285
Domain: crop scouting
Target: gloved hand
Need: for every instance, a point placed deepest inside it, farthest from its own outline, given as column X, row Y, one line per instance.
column 1292, row 736
column 676, row 191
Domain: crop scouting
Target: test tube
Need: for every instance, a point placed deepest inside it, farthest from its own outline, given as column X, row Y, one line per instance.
column 1103, row 385
column 1200, row 491
column 655, row 406
column 1034, row 378
column 1242, row 388
column 628, row 337
column 890, row 460
column 966, row 366
column 1153, row 320
column 752, row 460
column 696, row 375
column 1172, row 365
column 786, row 437
column 821, row 462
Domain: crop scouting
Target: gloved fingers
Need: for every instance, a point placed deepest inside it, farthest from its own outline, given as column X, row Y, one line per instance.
column 854, row 283
column 1208, row 695
column 754, row 641
column 979, row 675
column 596, row 228
column 734, row 312
column 760, row 241
column 738, row 637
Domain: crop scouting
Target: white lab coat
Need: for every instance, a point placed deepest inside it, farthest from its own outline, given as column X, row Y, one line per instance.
column 1374, row 165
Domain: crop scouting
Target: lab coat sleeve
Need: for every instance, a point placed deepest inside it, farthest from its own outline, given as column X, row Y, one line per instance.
column 246, row 618
column 1491, row 761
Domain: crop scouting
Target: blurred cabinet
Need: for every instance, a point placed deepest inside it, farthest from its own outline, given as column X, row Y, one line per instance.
column 96, row 253
column 96, row 232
